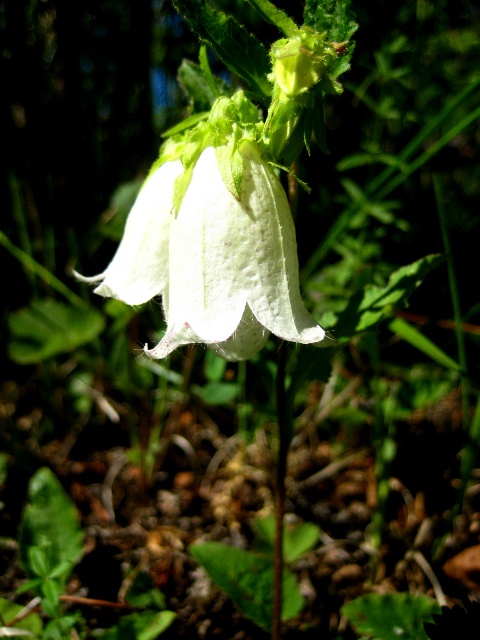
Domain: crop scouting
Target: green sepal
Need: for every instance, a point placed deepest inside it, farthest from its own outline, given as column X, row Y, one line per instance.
column 315, row 124
column 294, row 142
column 231, row 121
column 230, row 165
column 302, row 183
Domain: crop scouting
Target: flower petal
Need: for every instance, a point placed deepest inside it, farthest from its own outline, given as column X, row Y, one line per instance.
column 139, row 269
column 249, row 337
column 270, row 276
column 203, row 286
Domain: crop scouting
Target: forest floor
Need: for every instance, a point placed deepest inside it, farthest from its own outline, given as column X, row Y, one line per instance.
column 209, row 486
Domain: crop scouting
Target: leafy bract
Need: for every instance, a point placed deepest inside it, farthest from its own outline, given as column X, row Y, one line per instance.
column 337, row 19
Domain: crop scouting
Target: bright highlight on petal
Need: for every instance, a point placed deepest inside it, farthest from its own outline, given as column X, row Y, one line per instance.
column 139, row 269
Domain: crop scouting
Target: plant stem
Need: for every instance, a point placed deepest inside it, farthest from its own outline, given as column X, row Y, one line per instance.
column 284, row 437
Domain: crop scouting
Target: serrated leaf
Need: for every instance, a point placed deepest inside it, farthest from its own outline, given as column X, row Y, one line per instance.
column 336, row 18
column 391, row 616
column 49, row 522
column 247, row 578
column 47, row 328
column 233, row 44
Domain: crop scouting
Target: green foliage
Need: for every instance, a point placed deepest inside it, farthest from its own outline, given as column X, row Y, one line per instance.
column 47, row 328
column 239, row 50
column 247, row 578
column 391, row 616
column 368, row 307
column 30, row 627
column 51, row 543
column 297, row 538
column 143, row 625
column 51, row 539
column 336, row 18
column 141, row 594
column 367, row 236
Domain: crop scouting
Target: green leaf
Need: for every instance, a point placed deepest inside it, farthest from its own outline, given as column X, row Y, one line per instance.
column 366, row 309
column 201, row 93
column 51, row 593
column 31, row 626
column 50, row 523
column 391, row 616
column 247, row 578
column 275, row 16
column 297, row 538
column 217, row 393
column 145, row 625
column 47, row 328
column 337, row 19
column 38, row 561
column 186, row 123
column 239, row 50
column 214, row 367
column 143, row 595
column 422, row 343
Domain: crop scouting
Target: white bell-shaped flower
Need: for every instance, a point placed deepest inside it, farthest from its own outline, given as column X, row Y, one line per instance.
column 139, row 269
column 233, row 266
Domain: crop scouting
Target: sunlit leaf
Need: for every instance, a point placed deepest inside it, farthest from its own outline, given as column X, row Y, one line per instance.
column 336, row 17
column 366, row 309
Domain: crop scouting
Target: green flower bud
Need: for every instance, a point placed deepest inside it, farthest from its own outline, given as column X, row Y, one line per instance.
column 300, row 62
